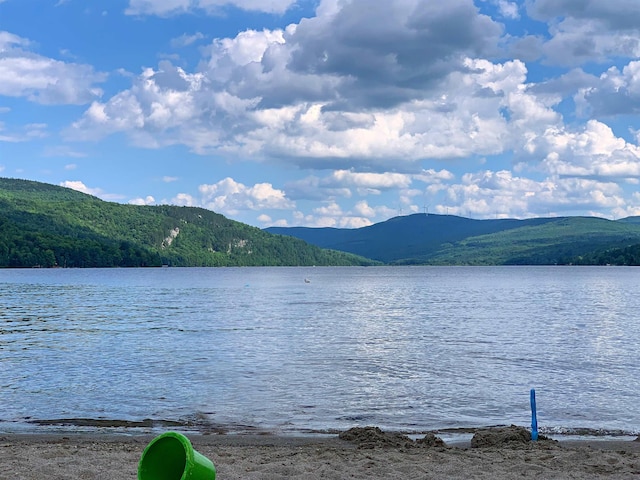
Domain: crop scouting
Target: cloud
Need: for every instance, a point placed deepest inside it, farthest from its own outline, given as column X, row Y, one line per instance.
column 175, row 7
column 565, row 85
column 27, row 133
column 431, row 176
column 330, row 92
column 41, row 79
column 332, row 215
column 170, row 106
column 363, row 209
column 265, row 219
column 617, row 93
column 500, row 194
column 6, row 137
column 159, row 101
column 392, row 52
column 9, row 40
column 62, row 151
column 353, row 222
column 230, row 197
column 588, row 30
column 369, row 180
column 184, row 200
column 330, row 209
column 168, row 179
column 185, row 40
column 614, row 14
column 509, row 9
column 340, row 183
column 148, row 200
column 80, row 187
column 593, row 152
column 96, row 192
column 315, row 188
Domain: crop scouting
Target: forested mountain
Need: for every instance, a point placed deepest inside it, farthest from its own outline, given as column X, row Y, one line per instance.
column 612, row 256
column 451, row 240
column 46, row 225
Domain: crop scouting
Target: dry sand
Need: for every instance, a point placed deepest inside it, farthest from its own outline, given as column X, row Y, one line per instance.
column 362, row 453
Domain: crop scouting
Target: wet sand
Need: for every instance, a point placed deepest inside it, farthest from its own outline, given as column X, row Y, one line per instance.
column 357, row 454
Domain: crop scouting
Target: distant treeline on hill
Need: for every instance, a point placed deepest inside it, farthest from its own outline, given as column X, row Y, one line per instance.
column 49, row 226
column 422, row 239
column 46, row 250
column 616, row 256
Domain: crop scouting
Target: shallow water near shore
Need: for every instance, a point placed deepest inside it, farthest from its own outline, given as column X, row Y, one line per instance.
column 317, row 350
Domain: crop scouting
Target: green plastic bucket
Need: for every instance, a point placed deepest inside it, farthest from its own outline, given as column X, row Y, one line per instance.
column 171, row 456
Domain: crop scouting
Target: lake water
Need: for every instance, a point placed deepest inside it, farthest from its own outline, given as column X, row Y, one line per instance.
column 313, row 350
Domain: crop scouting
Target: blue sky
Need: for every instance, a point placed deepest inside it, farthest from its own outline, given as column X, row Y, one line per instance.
column 335, row 113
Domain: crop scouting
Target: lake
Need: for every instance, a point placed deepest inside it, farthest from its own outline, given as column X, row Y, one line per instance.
column 314, row 350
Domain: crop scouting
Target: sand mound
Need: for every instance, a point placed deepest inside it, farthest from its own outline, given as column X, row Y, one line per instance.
column 512, row 436
column 430, row 440
column 374, row 437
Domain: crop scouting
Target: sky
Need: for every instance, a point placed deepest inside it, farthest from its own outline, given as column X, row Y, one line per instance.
column 328, row 113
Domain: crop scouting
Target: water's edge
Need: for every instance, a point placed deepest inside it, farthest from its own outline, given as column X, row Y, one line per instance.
column 151, row 426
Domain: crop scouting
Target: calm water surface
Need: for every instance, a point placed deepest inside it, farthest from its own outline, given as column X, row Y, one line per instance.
column 404, row 348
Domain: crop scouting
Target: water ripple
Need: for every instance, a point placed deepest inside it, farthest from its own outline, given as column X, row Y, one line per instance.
column 413, row 349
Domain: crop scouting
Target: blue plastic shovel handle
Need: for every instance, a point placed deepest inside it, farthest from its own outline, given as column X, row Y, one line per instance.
column 534, row 417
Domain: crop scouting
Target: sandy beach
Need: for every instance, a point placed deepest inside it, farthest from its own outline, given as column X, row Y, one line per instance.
column 357, row 454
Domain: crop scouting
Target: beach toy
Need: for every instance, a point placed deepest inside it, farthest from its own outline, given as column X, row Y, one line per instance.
column 171, row 456
column 534, row 417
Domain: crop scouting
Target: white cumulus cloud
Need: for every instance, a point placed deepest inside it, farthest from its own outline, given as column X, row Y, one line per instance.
column 41, row 79
column 148, row 200
column 228, row 196
column 173, row 7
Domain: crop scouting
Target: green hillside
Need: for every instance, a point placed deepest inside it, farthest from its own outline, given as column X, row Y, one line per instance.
column 630, row 220
column 406, row 239
column 562, row 241
column 46, row 225
column 451, row 240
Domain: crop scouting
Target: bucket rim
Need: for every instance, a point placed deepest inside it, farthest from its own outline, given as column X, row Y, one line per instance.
column 184, row 441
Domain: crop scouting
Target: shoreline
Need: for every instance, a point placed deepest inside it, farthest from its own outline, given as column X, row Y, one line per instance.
column 202, row 427
column 252, row 439
column 367, row 453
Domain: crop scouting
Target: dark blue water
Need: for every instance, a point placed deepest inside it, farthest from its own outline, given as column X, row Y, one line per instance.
column 243, row 349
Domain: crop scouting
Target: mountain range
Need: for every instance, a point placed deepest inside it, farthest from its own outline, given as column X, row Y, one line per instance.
column 451, row 240
column 50, row 226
